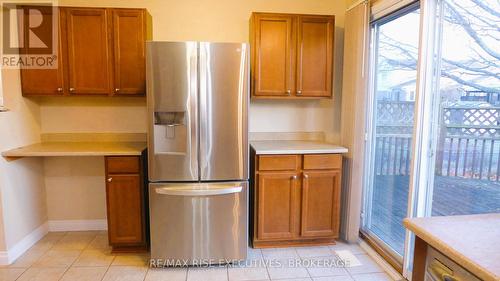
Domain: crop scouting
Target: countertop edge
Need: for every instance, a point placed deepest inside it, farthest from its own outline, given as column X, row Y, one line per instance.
column 448, row 251
column 274, row 147
column 67, row 149
column 76, row 153
column 301, row 151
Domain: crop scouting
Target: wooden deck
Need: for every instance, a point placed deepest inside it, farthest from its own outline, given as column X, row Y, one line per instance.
column 452, row 196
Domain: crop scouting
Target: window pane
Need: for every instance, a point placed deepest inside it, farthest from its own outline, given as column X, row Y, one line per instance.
column 395, row 51
column 466, row 179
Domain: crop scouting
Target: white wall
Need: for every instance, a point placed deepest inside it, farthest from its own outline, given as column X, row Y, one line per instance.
column 75, row 188
column 22, row 190
column 87, row 114
column 293, row 116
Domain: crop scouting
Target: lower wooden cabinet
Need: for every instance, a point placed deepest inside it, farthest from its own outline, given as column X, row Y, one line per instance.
column 277, row 201
column 126, row 204
column 297, row 201
column 320, row 204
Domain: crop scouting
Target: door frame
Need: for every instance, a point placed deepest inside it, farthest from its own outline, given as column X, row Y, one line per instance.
column 425, row 128
column 404, row 262
column 426, row 108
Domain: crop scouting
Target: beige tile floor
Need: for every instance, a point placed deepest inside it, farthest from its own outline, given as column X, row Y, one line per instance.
column 86, row 256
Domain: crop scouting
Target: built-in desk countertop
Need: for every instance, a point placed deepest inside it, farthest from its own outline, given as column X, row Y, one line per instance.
column 105, row 148
column 123, row 178
column 472, row 241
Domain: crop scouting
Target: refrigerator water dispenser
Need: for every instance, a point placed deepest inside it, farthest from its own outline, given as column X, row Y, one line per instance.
column 170, row 133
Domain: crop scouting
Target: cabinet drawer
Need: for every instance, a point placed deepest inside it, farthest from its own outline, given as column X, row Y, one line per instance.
column 278, row 162
column 322, row 161
column 123, row 165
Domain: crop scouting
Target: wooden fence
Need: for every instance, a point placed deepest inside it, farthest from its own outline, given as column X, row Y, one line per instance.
column 468, row 144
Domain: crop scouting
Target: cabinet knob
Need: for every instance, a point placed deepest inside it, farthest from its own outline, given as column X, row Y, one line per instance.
column 71, row 89
column 110, row 179
column 299, row 92
column 59, row 89
column 117, row 90
column 306, row 176
column 294, row 177
column 288, row 92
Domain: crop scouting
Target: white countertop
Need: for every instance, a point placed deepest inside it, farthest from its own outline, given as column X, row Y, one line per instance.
column 295, row 147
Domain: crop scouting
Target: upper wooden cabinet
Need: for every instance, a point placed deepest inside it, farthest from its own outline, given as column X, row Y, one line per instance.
column 314, row 56
column 42, row 81
column 273, row 55
column 129, row 35
column 292, row 55
column 102, row 52
column 89, row 57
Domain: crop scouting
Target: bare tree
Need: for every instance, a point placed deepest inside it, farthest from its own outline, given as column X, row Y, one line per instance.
column 479, row 69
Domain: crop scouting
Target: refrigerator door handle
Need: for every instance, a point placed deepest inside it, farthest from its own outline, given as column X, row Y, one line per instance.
column 201, row 191
column 204, row 98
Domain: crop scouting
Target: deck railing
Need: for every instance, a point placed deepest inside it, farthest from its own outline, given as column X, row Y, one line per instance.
column 468, row 144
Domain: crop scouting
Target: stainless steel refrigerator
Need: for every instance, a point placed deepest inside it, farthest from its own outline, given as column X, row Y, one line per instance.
column 198, row 151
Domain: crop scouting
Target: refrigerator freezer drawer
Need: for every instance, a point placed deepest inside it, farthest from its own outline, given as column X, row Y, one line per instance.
column 198, row 223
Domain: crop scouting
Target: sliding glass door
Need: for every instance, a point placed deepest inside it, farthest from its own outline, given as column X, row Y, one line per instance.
column 465, row 178
column 433, row 128
column 394, row 53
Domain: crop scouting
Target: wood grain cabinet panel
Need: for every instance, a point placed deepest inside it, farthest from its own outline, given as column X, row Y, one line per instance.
column 278, row 162
column 320, row 204
column 315, row 56
column 129, row 36
column 101, row 52
column 42, row 82
column 89, row 58
column 123, row 164
column 322, row 161
column 296, row 206
column 292, row 55
column 124, row 216
column 126, row 198
column 273, row 64
column 277, row 201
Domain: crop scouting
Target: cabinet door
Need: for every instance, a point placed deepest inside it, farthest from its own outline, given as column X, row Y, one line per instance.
column 124, row 203
column 315, row 56
column 273, row 55
column 129, row 37
column 320, row 204
column 277, row 202
column 88, row 51
column 42, row 82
